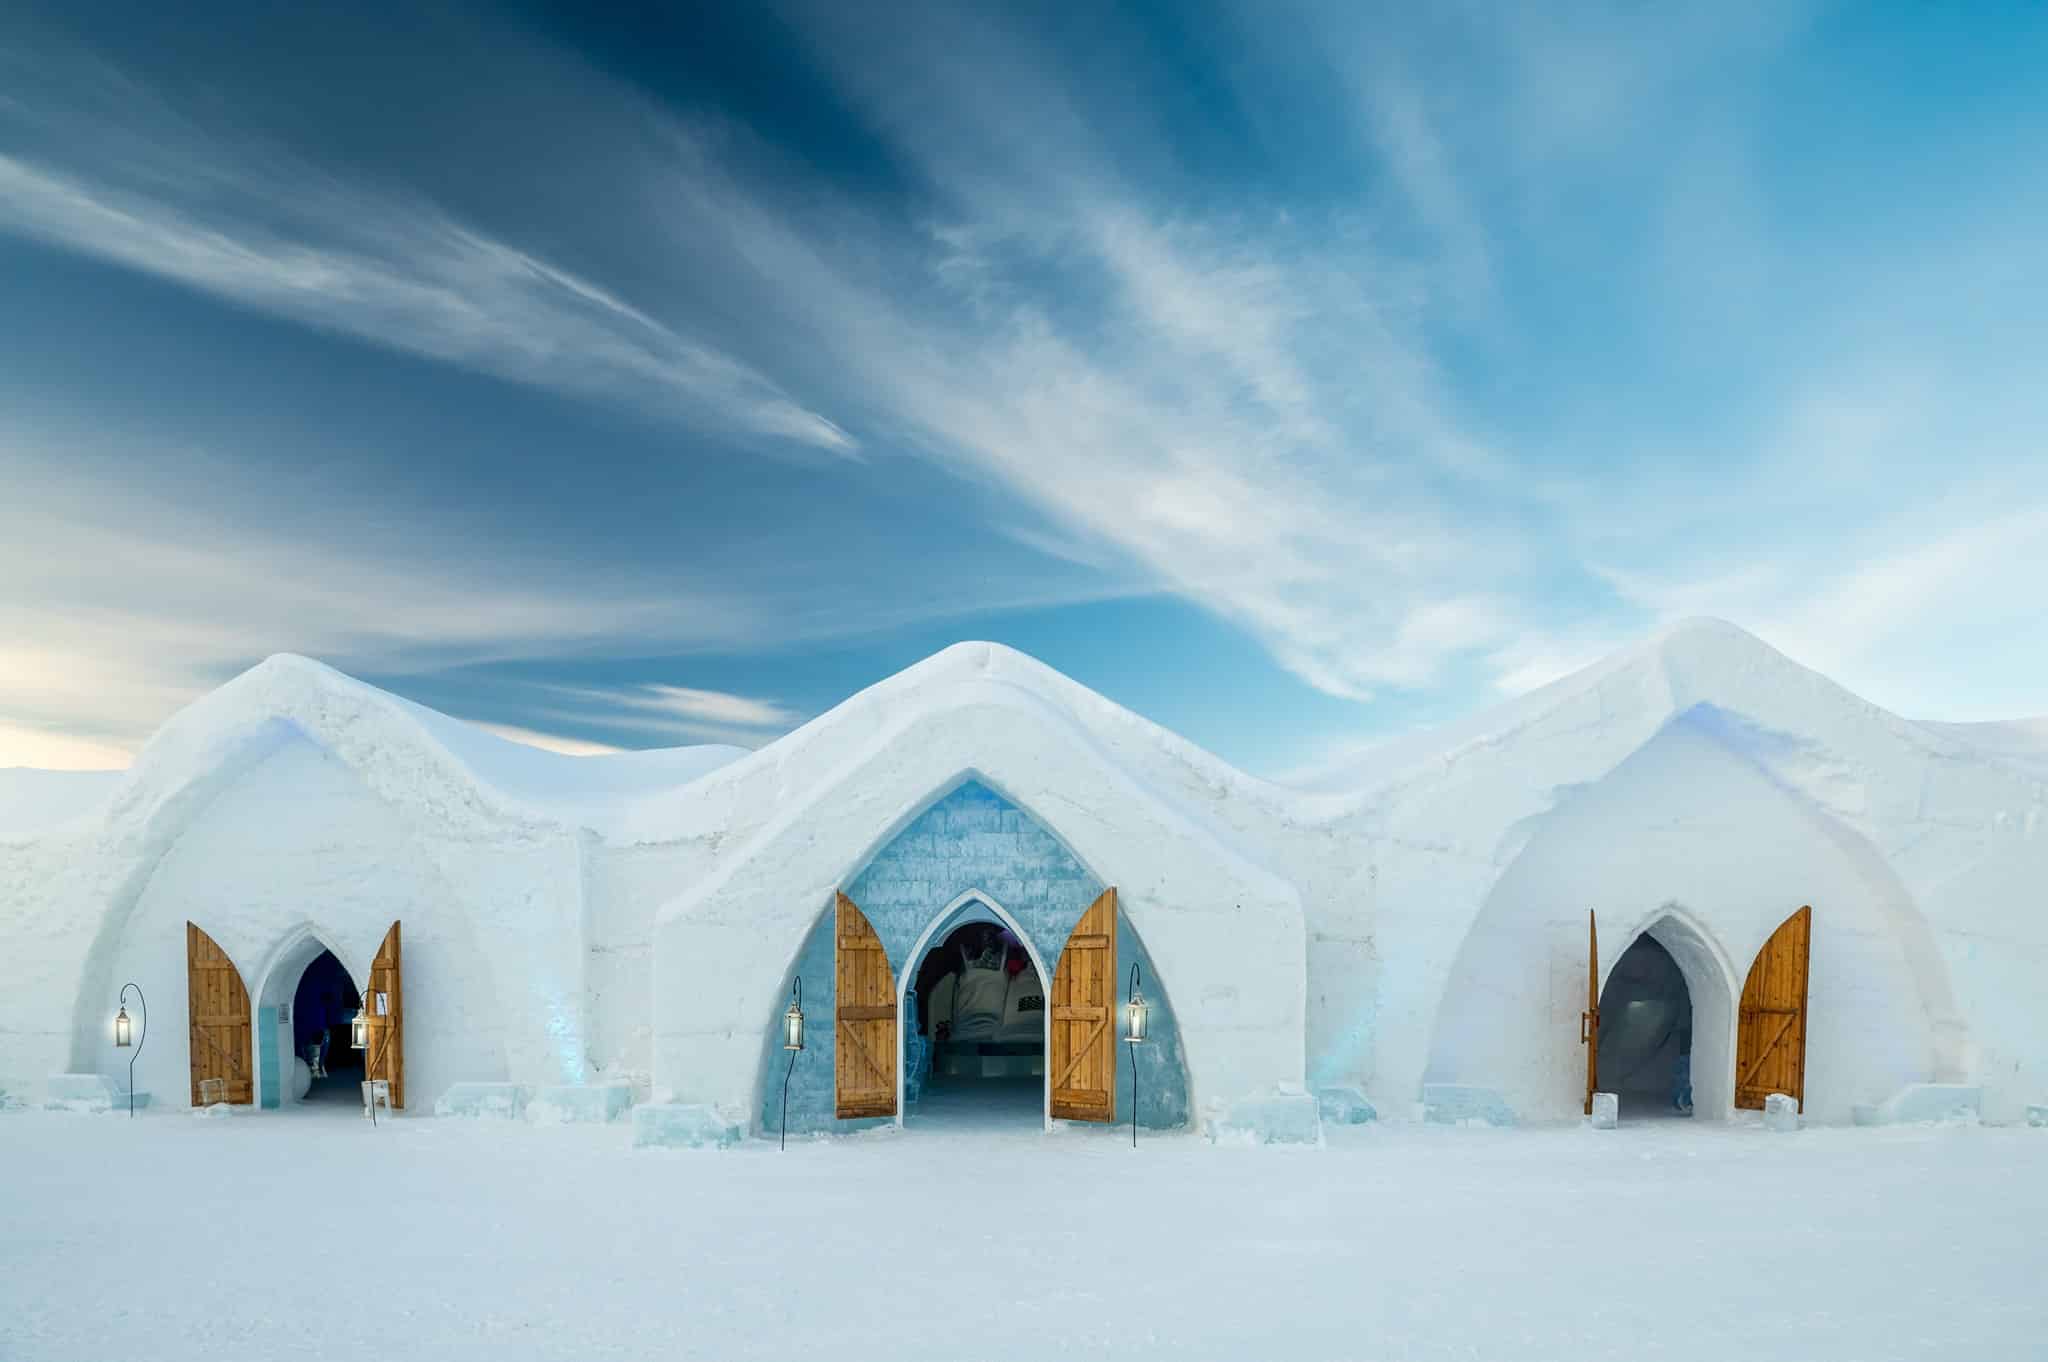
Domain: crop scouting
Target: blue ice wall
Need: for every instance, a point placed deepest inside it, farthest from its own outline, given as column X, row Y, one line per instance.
column 1162, row 1072
column 267, row 1057
column 971, row 840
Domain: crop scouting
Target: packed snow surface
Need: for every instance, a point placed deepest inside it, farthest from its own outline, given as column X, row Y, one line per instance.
column 311, row 1235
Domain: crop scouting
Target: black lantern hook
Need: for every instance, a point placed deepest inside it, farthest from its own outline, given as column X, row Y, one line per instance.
column 792, row 1041
column 1136, row 1032
column 121, row 1034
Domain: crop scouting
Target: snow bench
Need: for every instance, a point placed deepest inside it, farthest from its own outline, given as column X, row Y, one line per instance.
column 1920, row 1102
column 88, row 1093
column 1459, row 1104
column 1282, row 1117
column 486, row 1101
column 579, row 1103
column 684, row 1125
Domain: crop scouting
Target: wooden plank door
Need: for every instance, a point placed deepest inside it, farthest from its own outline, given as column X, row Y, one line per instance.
column 1084, row 1039
column 218, row 1004
column 384, row 1020
column 1589, row 1020
column 1770, row 1050
column 864, row 1050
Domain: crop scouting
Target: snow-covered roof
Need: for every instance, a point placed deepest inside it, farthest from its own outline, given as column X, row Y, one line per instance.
column 1789, row 716
column 1841, row 751
column 990, row 675
column 409, row 754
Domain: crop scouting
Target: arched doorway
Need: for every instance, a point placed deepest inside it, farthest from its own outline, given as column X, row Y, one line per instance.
column 309, row 991
column 1646, row 1032
column 304, row 985
column 323, row 1011
column 973, row 1021
column 1670, row 993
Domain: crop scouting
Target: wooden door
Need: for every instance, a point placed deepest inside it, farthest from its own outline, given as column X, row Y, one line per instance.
column 1770, row 1050
column 1589, row 1020
column 1084, row 1036
column 864, row 1051
column 384, row 1020
column 218, row 1004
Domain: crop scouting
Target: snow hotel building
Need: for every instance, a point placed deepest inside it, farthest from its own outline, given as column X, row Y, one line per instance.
column 1718, row 865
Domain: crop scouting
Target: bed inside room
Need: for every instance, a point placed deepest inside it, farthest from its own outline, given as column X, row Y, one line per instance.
column 978, row 1034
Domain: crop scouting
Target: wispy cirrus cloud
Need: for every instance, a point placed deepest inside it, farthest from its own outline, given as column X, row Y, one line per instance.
column 219, row 212
column 672, row 711
column 549, row 742
column 1267, row 397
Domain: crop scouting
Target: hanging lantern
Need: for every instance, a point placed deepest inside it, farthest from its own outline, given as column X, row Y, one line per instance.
column 1136, row 1014
column 121, row 1034
column 359, row 1033
column 793, row 1020
column 792, row 1041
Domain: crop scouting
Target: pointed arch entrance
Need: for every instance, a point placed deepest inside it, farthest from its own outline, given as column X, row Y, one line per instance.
column 1665, row 1023
column 307, row 970
column 970, row 858
column 975, row 905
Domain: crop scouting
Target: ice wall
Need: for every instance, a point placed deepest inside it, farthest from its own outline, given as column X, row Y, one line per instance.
column 972, row 841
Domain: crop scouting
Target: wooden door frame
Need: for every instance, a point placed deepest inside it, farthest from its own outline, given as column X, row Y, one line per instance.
column 192, row 1026
column 915, row 957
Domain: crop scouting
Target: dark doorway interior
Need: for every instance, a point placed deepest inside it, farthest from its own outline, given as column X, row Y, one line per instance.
column 1646, row 1033
column 976, row 1046
column 323, row 1009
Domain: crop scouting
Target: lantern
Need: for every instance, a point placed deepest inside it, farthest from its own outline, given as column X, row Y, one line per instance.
column 126, row 1038
column 792, row 1041
column 793, row 1026
column 1137, row 1025
column 359, row 1033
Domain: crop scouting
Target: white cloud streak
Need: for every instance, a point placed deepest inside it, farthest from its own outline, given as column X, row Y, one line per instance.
column 684, row 710
column 230, row 217
column 548, row 742
column 1253, row 405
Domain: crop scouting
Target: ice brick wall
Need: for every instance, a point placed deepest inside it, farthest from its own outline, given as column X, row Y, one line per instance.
column 971, row 841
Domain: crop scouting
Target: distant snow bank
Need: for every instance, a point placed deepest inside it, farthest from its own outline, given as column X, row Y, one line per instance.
column 2022, row 743
column 33, row 801
column 569, row 785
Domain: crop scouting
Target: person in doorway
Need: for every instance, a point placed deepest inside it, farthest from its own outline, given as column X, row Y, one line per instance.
column 1681, row 1070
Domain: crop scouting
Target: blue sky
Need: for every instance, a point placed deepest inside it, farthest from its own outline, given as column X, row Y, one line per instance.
column 1293, row 374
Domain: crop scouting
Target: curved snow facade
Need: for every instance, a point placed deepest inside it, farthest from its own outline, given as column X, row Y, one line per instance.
column 570, row 925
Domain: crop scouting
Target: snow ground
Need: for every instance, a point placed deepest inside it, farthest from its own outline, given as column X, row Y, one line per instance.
column 309, row 1235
